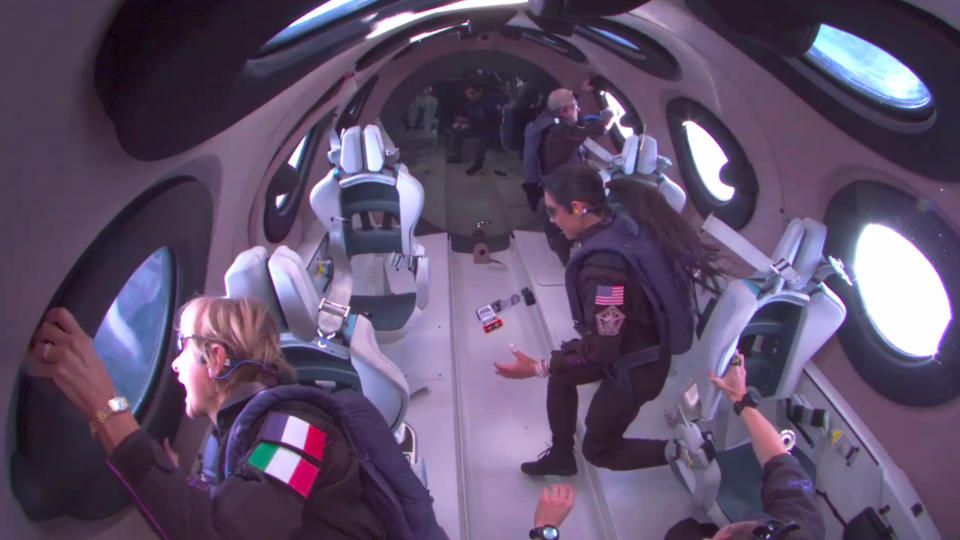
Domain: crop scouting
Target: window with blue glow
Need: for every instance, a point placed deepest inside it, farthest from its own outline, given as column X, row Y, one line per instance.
column 322, row 15
column 615, row 38
column 131, row 336
column 867, row 69
column 708, row 159
column 902, row 292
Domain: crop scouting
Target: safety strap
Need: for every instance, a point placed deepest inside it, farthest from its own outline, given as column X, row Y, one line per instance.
column 747, row 251
column 598, row 150
column 331, row 317
column 333, row 156
column 620, row 370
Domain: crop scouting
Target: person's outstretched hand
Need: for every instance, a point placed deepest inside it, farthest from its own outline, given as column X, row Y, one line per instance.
column 734, row 381
column 522, row 367
column 555, row 504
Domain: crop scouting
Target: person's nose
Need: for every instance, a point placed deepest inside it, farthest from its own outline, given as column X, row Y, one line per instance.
column 174, row 364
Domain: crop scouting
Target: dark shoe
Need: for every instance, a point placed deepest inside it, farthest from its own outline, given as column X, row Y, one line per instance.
column 498, row 172
column 454, row 159
column 474, row 169
column 553, row 460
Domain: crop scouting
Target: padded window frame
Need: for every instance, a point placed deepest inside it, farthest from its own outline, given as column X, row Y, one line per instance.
column 901, row 378
column 176, row 214
column 736, row 212
column 831, row 83
column 277, row 222
column 653, row 58
column 602, row 84
column 920, row 40
column 544, row 39
column 351, row 113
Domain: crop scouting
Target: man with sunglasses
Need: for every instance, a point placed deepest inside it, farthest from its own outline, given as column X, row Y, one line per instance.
column 787, row 495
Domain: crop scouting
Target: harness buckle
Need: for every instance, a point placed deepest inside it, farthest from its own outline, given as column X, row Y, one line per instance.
column 784, row 269
column 333, row 308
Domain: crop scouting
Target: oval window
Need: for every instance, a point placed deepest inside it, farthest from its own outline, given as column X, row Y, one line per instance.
column 708, row 159
column 903, row 295
column 324, row 14
column 867, row 70
column 131, row 336
column 295, row 158
column 618, row 111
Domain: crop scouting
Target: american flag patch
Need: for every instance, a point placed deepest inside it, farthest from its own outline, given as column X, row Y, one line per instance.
column 608, row 295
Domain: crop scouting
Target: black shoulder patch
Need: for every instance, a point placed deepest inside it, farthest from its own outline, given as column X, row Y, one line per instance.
column 607, row 259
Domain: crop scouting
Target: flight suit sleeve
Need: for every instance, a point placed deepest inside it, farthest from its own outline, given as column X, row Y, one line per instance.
column 604, row 293
column 788, row 494
column 176, row 508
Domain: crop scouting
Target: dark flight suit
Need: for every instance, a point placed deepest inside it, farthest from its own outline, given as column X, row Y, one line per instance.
column 585, row 360
column 254, row 507
column 787, row 495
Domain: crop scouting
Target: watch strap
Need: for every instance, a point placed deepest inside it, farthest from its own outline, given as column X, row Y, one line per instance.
column 115, row 405
column 541, row 533
column 746, row 401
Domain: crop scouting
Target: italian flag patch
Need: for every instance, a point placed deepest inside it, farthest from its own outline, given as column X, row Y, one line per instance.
column 294, row 432
column 285, row 465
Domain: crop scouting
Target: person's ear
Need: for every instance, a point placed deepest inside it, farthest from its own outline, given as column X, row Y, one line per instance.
column 576, row 208
column 217, row 356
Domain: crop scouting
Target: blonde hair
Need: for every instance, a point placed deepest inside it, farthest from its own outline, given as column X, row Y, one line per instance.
column 246, row 330
column 560, row 98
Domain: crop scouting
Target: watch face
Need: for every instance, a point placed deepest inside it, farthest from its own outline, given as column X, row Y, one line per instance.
column 550, row 533
column 118, row 404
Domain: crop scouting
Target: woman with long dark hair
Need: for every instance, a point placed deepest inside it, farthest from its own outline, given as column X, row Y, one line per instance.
column 630, row 287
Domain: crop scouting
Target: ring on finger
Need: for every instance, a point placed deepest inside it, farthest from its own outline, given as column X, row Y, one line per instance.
column 46, row 351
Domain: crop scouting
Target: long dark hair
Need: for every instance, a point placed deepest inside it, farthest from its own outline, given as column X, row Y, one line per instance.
column 698, row 260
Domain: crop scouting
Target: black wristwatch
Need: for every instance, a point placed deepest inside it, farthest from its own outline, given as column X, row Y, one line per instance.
column 547, row 532
column 746, row 401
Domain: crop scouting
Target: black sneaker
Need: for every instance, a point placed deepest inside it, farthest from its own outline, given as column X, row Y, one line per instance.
column 474, row 169
column 553, row 460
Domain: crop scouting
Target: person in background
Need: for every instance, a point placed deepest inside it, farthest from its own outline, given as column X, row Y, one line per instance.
column 478, row 116
column 554, row 139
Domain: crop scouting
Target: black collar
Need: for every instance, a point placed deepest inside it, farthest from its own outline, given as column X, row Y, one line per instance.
column 234, row 404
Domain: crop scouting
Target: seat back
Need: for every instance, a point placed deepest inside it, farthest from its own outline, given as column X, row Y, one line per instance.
column 249, row 277
column 365, row 183
column 777, row 324
column 383, row 383
column 640, row 161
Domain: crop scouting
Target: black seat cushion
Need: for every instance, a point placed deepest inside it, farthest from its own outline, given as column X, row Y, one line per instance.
column 389, row 312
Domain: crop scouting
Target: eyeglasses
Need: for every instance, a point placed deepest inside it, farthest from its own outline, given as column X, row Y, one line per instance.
column 182, row 340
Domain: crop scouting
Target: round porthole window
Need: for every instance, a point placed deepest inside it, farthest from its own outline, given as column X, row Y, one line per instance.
column 899, row 333
column 708, row 158
column 868, row 70
column 717, row 174
column 611, row 102
column 903, row 295
column 131, row 336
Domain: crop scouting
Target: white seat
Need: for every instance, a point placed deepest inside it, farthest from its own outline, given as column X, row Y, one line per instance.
column 248, row 277
column 367, row 181
column 778, row 323
column 639, row 160
column 383, row 383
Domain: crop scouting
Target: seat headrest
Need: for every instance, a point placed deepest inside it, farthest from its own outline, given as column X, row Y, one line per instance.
column 296, row 293
column 248, row 277
column 351, row 151
column 373, row 148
